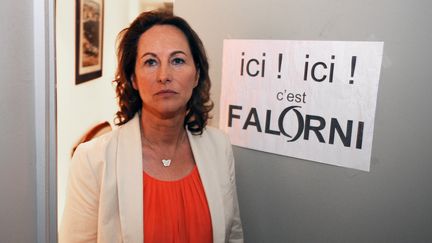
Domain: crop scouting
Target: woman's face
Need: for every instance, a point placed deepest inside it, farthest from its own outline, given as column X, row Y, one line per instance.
column 165, row 72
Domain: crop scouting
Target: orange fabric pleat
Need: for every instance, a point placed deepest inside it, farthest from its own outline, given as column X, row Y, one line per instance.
column 176, row 211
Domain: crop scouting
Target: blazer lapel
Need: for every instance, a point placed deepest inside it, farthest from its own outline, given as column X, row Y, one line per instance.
column 130, row 182
column 208, row 173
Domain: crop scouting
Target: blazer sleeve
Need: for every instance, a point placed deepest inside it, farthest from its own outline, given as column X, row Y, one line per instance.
column 236, row 233
column 80, row 216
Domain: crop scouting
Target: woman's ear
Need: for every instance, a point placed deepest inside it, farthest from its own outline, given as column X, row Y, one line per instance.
column 134, row 85
column 197, row 78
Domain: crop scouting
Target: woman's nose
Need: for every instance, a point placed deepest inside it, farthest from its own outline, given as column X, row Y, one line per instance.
column 164, row 74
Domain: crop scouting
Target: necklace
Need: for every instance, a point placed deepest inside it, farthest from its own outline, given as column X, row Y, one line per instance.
column 166, row 161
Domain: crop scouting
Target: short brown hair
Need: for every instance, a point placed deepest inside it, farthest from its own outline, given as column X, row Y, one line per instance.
column 199, row 105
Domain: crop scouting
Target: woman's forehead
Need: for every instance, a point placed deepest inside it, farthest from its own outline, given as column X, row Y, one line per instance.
column 163, row 39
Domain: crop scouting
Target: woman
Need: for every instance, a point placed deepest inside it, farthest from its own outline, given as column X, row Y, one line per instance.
column 162, row 176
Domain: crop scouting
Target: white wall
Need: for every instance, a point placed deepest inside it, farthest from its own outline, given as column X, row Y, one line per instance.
column 81, row 106
column 284, row 199
column 17, row 120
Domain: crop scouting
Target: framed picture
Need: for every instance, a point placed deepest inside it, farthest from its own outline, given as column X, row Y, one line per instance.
column 89, row 39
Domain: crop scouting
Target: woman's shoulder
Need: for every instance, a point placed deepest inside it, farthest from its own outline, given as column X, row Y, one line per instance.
column 97, row 148
column 105, row 141
column 212, row 140
column 215, row 134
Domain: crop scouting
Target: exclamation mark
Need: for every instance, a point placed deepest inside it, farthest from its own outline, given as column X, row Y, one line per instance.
column 353, row 66
column 280, row 65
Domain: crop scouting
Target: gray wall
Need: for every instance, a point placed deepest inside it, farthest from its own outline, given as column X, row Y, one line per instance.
column 17, row 123
column 284, row 199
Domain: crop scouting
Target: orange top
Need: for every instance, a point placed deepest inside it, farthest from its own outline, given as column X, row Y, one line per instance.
column 176, row 211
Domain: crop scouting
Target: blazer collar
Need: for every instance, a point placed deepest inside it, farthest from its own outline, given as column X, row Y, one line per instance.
column 208, row 172
column 130, row 182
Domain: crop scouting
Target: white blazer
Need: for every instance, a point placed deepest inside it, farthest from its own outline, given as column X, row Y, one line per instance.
column 104, row 198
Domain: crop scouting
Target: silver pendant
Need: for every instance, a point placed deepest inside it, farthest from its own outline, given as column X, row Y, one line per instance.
column 166, row 162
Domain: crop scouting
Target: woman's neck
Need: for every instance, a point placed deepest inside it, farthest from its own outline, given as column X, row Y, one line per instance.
column 162, row 131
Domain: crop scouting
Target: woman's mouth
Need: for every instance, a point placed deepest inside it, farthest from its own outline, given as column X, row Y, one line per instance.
column 166, row 92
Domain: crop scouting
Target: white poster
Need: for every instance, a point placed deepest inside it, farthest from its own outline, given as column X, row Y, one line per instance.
column 312, row 100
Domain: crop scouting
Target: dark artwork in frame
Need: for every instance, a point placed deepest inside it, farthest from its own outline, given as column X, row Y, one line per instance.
column 89, row 40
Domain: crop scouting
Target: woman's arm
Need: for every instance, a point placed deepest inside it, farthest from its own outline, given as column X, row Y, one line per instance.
column 236, row 234
column 80, row 216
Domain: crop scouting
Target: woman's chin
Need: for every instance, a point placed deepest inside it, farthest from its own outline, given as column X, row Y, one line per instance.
column 169, row 112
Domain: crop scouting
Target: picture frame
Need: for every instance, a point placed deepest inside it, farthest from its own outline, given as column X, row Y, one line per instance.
column 89, row 40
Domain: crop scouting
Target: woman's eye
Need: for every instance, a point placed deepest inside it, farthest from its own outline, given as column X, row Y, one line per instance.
column 178, row 60
column 150, row 62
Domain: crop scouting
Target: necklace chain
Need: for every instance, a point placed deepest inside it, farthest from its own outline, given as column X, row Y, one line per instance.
column 166, row 161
